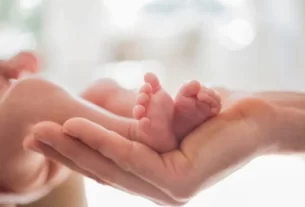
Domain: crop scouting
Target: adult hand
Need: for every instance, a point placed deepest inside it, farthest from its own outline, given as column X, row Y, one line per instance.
column 244, row 130
column 25, row 175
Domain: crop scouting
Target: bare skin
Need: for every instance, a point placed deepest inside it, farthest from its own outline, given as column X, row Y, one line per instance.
column 62, row 194
column 20, row 111
column 250, row 125
column 25, row 111
column 20, row 107
column 164, row 121
column 96, row 93
column 119, row 100
column 31, row 100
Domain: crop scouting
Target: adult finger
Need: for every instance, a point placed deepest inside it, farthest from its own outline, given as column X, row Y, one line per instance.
column 89, row 160
column 31, row 143
column 131, row 156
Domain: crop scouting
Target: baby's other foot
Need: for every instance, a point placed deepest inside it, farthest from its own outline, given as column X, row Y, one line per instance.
column 154, row 109
column 194, row 104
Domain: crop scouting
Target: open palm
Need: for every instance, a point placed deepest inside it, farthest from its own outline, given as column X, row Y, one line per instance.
column 211, row 152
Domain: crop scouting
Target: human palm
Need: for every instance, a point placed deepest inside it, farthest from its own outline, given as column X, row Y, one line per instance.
column 212, row 151
column 24, row 103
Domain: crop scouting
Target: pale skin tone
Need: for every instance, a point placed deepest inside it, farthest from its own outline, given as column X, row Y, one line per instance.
column 164, row 122
column 250, row 125
column 22, row 63
column 12, row 164
column 61, row 195
column 22, row 102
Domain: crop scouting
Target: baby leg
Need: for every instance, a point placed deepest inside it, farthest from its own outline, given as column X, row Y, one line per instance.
column 110, row 95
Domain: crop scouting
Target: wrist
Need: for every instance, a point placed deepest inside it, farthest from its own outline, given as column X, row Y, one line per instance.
column 288, row 133
column 285, row 131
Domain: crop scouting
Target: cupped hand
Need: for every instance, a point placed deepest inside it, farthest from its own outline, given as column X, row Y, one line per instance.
column 25, row 175
column 208, row 154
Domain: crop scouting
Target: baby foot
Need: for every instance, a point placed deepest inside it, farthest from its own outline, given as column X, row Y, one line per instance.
column 154, row 109
column 194, row 104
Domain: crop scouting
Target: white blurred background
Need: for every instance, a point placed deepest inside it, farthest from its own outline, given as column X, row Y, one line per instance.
column 241, row 44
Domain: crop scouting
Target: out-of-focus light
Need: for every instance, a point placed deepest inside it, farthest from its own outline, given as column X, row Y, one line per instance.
column 231, row 2
column 129, row 74
column 241, row 32
column 236, row 35
column 12, row 41
column 119, row 5
column 29, row 4
column 125, row 13
column 125, row 21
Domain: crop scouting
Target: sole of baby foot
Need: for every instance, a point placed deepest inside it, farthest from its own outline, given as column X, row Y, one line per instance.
column 194, row 104
column 154, row 109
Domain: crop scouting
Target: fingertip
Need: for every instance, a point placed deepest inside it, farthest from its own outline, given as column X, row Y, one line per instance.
column 73, row 123
column 74, row 127
column 31, row 143
column 43, row 128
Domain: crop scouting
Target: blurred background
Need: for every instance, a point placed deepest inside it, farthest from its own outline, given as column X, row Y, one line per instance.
column 241, row 44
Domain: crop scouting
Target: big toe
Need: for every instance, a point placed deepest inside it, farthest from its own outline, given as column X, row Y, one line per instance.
column 153, row 80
